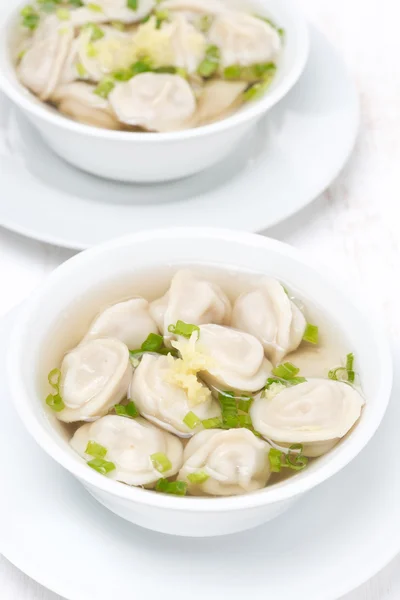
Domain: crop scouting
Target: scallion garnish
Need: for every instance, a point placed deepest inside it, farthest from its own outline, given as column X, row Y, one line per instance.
column 257, row 90
column 183, row 329
column 161, row 462
column 192, row 420
column 101, row 466
column 295, row 459
column 204, row 23
column 233, row 72
column 105, row 86
column 311, row 334
column 91, row 50
column 209, row 65
column 76, row 3
column 62, row 14
column 212, row 423
column 80, row 69
column 286, row 370
column 275, row 460
column 153, row 343
column 244, row 403
column 54, row 378
column 30, row 17
column 161, row 16
column 96, row 33
column 229, row 409
column 244, row 421
column 178, row 488
column 128, row 410
column 132, row 4
column 345, row 374
column 55, row 401
column 96, row 450
column 199, row 477
column 94, row 7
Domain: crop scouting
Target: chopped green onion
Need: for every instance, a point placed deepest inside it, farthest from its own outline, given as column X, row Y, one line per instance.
column 204, row 23
column 91, row 50
column 30, row 17
column 183, row 329
column 191, row 420
column 311, row 334
column 146, row 18
column 21, row 55
column 209, row 65
column 123, row 75
column 80, row 70
column 63, row 14
column 141, row 66
column 49, row 6
column 104, row 87
column 296, row 460
column 349, row 367
column 260, row 69
column 275, row 460
column 199, row 477
column 54, row 379
column 128, row 410
column 171, row 70
column 244, row 403
column 76, row 3
column 161, row 462
column 285, row 371
column 345, row 374
column 229, row 409
column 256, row 91
column 132, row 4
column 161, row 16
column 244, row 421
column 118, row 25
column 213, row 423
column 233, row 72
column 101, row 466
column 153, row 343
column 94, row 7
column 178, row 488
column 55, row 402
column 96, row 33
column 96, row 450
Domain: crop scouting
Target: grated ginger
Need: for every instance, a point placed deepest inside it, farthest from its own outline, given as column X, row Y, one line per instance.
column 183, row 371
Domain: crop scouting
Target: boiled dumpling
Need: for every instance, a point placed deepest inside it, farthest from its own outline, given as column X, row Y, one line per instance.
column 192, row 300
column 244, row 39
column 41, row 66
column 188, row 45
column 78, row 101
column 217, row 99
column 128, row 321
column 238, row 361
column 94, row 377
column 119, row 10
column 226, row 463
column 268, row 313
column 155, row 101
column 130, row 443
column 109, row 53
column 164, row 403
column 316, row 413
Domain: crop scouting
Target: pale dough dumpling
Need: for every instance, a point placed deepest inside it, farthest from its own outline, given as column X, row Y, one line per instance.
column 41, row 66
column 217, row 99
column 238, row 359
column 155, row 101
column 192, row 300
column 130, row 443
column 230, row 462
column 163, row 403
column 118, row 10
column 268, row 313
column 128, row 321
column 94, row 377
column 244, row 39
column 316, row 413
column 77, row 100
column 188, row 44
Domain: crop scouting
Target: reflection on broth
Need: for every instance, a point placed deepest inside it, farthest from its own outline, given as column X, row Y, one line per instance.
column 199, row 380
column 141, row 65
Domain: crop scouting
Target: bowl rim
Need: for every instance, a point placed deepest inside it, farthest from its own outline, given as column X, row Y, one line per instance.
column 28, row 102
column 264, row 497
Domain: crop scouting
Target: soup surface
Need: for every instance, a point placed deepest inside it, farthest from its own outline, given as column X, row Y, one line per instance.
column 141, row 65
column 199, row 381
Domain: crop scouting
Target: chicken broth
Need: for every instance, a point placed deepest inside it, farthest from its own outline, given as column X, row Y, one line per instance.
column 142, row 65
column 199, row 380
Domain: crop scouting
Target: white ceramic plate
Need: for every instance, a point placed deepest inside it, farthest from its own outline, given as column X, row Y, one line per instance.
column 290, row 158
column 54, row 531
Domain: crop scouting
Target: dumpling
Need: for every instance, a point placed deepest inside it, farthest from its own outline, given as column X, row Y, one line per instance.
column 244, row 39
column 166, row 404
column 130, row 443
column 119, row 10
column 155, row 101
column 115, row 50
column 238, row 361
column 94, row 377
column 188, row 44
column 316, row 413
column 226, row 463
column 217, row 99
column 128, row 321
column 78, row 101
column 41, row 66
column 268, row 313
column 192, row 300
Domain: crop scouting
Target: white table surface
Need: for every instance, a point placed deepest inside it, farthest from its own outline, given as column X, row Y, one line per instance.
column 353, row 227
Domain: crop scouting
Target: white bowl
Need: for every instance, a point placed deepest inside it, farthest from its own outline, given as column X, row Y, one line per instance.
column 144, row 157
column 36, row 347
